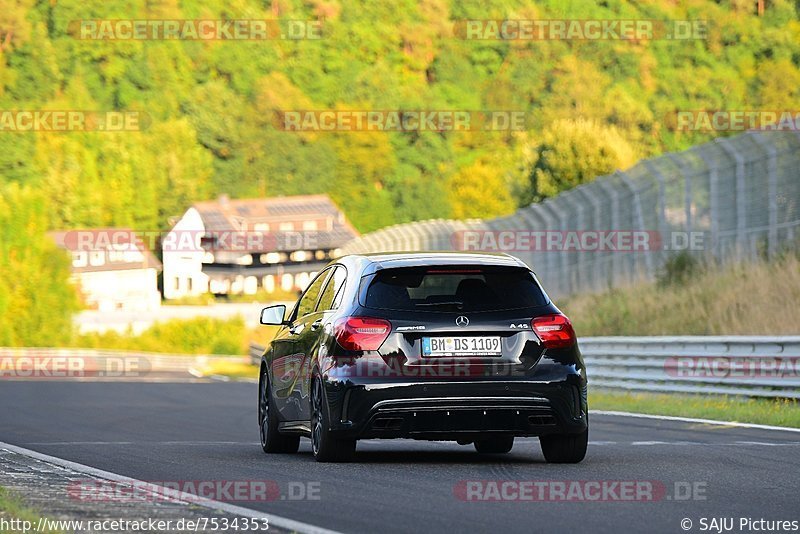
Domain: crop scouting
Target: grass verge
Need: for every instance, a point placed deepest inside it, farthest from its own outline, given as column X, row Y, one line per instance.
column 778, row 412
column 200, row 335
column 691, row 298
column 12, row 507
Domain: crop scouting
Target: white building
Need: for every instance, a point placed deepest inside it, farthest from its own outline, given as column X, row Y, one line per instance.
column 112, row 268
column 231, row 246
column 183, row 263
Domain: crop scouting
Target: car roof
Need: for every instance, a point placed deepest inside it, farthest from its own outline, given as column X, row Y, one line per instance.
column 369, row 263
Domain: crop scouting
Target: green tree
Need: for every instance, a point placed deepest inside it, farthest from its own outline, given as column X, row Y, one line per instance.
column 36, row 298
column 573, row 152
column 479, row 191
column 180, row 168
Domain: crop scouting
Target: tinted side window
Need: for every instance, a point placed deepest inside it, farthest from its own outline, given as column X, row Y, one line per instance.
column 309, row 299
column 333, row 288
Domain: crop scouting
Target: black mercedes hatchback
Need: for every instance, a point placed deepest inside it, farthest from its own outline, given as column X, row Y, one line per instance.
column 434, row 346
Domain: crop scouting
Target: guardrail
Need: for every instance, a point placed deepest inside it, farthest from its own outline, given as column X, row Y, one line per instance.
column 757, row 366
column 752, row 366
column 254, row 352
column 109, row 362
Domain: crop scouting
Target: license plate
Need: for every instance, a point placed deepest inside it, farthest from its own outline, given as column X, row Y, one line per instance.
column 461, row 346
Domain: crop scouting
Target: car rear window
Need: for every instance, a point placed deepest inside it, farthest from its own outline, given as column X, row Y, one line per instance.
column 453, row 289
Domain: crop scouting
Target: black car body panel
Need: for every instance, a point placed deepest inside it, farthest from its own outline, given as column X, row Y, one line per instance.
column 394, row 391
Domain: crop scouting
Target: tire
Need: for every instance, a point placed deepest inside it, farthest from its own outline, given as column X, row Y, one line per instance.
column 324, row 446
column 495, row 445
column 564, row 448
column 272, row 441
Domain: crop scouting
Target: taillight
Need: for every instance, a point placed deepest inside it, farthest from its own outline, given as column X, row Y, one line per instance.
column 361, row 333
column 555, row 331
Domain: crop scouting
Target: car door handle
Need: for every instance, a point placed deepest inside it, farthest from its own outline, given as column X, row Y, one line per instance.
column 316, row 324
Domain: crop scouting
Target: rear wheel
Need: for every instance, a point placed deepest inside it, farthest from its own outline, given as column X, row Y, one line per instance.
column 326, row 448
column 272, row 441
column 495, row 445
column 565, row 448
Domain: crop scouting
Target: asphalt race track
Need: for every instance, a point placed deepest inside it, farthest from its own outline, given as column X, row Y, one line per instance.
column 207, row 431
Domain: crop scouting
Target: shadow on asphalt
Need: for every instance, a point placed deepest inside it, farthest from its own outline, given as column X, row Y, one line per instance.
column 442, row 457
column 520, row 455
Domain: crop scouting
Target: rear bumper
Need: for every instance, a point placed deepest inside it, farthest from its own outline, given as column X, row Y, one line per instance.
column 457, row 410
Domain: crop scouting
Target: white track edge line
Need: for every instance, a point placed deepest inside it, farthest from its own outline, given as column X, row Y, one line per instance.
column 278, row 521
column 694, row 420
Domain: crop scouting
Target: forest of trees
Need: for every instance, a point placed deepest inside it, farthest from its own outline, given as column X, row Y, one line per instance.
column 591, row 107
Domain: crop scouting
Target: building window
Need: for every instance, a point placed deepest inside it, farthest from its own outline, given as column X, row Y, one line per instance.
column 270, row 257
column 298, row 255
column 287, row 282
column 79, row 259
column 286, row 227
column 301, row 280
column 309, row 225
column 269, row 283
column 97, row 257
column 250, row 285
column 245, row 259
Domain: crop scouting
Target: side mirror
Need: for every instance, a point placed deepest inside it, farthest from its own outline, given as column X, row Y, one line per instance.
column 274, row 315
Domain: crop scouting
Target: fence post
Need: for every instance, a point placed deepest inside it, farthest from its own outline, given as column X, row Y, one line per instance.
column 555, row 265
column 592, row 270
column 648, row 259
column 662, row 197
column 741, row 214
column 790, row 228
column 713, row 201
column 772, row 191
column 561, row 218
column 613, row 195
column 534, row 222
column 566, row 197
column 687, row 190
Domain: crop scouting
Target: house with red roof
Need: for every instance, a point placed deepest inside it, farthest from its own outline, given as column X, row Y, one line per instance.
column 236, row 246
column 112, row 268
